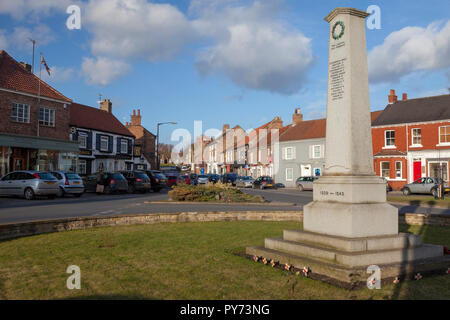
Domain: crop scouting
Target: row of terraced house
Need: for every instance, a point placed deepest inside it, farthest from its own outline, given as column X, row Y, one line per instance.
column 410, row 138
column 41, row 129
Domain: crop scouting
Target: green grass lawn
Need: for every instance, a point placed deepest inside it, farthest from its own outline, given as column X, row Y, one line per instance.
column 418, row 200
column 178, row 261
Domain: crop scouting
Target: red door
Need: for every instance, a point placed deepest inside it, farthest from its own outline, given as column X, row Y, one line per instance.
column 417, row 170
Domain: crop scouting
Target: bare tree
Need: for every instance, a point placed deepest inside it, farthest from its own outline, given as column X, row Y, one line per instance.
column 165, row 152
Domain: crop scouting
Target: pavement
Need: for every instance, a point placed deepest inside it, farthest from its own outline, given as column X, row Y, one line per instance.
column 14, row 210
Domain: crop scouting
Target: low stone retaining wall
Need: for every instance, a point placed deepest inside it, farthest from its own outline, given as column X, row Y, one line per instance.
column 15, row 230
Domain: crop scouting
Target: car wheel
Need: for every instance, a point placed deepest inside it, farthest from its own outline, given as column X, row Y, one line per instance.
column 29, row 194
column 434, row 192
column 300, row 187
column 60, row 193
column 406, row 192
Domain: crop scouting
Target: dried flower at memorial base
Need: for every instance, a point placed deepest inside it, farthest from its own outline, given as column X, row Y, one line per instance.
column 273, row 263
column 264, row 261
column 448, row 271
column 287, row 267
column 396, row 280
column 306, row 271
column 418, row 276
column 255, row 258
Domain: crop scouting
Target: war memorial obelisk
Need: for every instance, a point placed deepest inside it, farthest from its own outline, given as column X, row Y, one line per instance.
column 349, row 225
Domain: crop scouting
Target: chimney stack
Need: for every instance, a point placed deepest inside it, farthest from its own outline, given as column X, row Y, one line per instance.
column 106, row 105
column 26, row 66
column 405, row 97
column 297, row 117
column 276, row 123
column 136, row 119
column 225, row 128
column 392, row 97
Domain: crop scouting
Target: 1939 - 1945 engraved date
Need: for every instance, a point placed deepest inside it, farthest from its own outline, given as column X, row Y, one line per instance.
column 327, row 193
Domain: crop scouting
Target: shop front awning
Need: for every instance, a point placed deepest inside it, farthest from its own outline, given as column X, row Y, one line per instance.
column 29, row 142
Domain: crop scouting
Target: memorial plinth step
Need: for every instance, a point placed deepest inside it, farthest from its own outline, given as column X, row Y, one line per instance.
column 355, row 258
column 347, row 276
column 400, row 241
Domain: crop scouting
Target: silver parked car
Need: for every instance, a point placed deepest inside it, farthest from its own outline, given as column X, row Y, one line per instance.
column 202, row 179
column 305, row 183
column 29, row 184
column 69, row 183
column 244, row 182
column 425, row 186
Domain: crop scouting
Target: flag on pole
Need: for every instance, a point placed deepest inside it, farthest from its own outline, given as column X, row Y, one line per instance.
column 45, row 64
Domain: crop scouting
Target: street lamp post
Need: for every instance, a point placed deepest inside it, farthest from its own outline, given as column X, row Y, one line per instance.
column 157, row 141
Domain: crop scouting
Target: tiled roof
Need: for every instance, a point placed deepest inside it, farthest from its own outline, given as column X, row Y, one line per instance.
column 15, row 77
column 416, row 110
column 312, row 129
column 92, row 118
column 384, row 153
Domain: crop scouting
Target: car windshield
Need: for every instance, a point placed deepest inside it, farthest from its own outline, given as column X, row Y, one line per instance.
column 140, row 175
column 45, row 176
column 118, row 176
column 73, row 176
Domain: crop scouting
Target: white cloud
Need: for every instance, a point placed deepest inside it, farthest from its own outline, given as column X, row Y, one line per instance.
column 19, row 9
column 3, row 40
column 254, row 49
column 410, row 49
column 137, row 28
column 21, row 36
column 102, row 70
column 58, row 74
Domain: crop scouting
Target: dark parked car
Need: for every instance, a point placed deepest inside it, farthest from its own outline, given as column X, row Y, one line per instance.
column 137, row 181
column 229, row 178
column 194, row 178
column 158, row 180
column 214, row 178
column 263, row 183
column 112, row 181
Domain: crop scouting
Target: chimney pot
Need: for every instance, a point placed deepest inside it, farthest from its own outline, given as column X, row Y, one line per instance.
column 297, row 117
column 139, row 112
column 134, row 112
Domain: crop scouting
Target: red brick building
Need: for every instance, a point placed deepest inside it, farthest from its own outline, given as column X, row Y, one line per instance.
column 144, row 144
column 411, row 139
column 34, row 127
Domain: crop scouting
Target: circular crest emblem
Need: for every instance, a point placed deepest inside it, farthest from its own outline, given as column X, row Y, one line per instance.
column 338, row 30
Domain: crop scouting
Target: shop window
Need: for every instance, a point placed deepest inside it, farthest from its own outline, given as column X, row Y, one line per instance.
column 20, row 113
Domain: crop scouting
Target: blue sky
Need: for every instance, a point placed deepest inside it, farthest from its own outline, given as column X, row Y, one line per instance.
column 222, row 61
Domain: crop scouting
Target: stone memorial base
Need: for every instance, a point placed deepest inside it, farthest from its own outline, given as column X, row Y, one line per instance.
column 344, row 261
